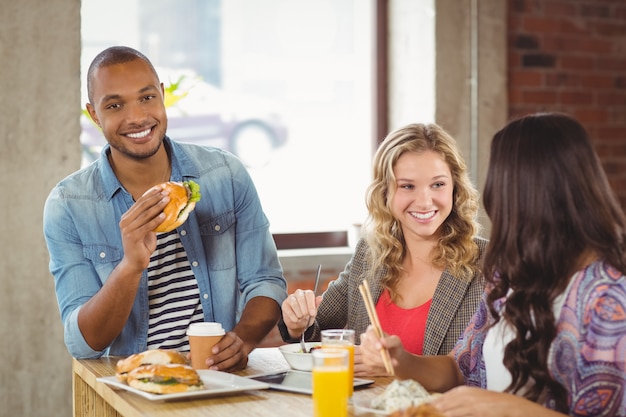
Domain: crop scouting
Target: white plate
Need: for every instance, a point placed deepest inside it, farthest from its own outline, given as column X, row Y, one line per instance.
column 215, row 383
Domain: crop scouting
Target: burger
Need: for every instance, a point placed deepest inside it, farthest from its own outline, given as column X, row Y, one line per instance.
column 183, row 198
column 165, row 378
column 148, row 357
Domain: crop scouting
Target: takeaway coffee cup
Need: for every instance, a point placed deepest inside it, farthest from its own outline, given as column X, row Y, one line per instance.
column 202, row 338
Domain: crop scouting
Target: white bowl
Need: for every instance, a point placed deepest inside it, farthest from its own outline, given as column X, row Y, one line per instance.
column 296, row 358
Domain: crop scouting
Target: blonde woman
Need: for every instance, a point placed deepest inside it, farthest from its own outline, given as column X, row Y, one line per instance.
column 420, row 253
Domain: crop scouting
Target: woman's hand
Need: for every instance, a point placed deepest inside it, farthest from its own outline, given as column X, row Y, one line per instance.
column 372, row 347
column 467, row 401
column 363, row 370
column 299, row 311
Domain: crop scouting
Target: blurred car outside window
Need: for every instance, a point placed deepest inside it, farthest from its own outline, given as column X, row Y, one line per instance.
column 200, row 113
column 286, row 85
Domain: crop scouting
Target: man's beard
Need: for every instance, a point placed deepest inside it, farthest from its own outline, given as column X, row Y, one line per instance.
column 138, row 156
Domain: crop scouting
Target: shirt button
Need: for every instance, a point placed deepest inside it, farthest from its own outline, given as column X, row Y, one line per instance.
column 194, row 263
column 206, row 296
column 183, row 232
column 217, row 227
column 103, row 255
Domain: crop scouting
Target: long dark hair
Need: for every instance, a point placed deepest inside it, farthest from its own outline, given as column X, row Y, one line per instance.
column 549, row 203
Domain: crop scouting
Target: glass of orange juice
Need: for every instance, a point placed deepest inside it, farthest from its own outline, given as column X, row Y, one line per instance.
column 330, row 382
column 344, row 339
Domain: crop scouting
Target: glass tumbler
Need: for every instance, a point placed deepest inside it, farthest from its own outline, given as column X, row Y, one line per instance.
column 330, row 382
column 343, row 339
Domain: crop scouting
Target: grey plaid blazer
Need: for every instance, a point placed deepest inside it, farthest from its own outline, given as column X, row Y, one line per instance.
column 453, row 304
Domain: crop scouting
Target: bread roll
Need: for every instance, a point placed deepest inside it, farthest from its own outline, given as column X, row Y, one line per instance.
column 148, row 357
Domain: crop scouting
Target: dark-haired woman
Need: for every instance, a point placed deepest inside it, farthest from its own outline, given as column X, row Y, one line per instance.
column 549, row 338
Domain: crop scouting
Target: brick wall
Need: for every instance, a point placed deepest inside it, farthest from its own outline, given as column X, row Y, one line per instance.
column 570, row 56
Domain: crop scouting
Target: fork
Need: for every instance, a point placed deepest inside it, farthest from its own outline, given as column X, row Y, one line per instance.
column 317, row 281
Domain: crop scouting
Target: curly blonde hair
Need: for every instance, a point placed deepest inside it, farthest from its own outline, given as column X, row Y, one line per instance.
column 456, row 249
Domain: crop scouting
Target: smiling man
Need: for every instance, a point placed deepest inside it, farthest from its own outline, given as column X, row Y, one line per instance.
column 122, row 288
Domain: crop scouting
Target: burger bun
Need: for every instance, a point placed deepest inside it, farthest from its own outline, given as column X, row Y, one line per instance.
column 178, row 209
column 164, row 379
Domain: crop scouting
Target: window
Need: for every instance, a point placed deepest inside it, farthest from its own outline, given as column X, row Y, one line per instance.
column 287, row 85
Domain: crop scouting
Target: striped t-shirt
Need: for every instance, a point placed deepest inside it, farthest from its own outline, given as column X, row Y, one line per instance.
column 173, row 295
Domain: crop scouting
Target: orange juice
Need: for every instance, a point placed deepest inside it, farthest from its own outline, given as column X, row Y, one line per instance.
column 344, row 339
column 343, row 344
column 330, row 394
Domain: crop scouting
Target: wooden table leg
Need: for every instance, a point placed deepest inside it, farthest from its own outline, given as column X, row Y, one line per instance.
column 87, row 402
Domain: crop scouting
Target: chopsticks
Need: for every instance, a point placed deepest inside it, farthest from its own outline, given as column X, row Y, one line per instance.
column 371, row 312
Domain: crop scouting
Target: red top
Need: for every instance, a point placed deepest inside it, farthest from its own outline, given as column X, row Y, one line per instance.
column 408, row 324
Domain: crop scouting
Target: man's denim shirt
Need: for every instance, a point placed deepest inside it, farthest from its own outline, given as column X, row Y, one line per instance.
column 227, row 239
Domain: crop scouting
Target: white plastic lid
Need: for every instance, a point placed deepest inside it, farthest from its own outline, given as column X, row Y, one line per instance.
column 205, row 329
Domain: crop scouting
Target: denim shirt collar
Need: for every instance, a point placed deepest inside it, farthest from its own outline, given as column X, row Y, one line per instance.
column 182, row 167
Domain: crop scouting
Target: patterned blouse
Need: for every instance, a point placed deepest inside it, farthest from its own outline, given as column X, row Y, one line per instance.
column 588, row 355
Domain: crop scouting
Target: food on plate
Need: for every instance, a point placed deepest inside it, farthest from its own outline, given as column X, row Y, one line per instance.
column 310, row 350
column 424, row 410
column 401, row 394
column 159, row 371
column 148, row 357
column 183, row 198
column 164, row 378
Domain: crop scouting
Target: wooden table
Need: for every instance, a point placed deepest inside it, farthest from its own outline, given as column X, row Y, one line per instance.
column 96, row 399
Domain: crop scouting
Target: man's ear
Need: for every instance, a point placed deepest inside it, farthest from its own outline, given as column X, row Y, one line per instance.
column 92, row 113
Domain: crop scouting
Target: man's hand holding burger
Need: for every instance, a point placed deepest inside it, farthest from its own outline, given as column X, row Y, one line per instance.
column 103, row 317
column 162, row 208
column 137, row 227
